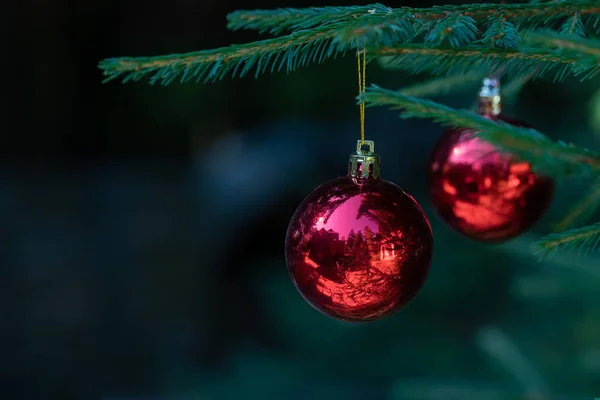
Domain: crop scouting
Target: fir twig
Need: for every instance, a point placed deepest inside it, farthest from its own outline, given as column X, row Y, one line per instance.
column 582, row 240
column 501, row 34
column 553, row 40
column 521, row 247
column 283, row 53
column 323, row 32
column 582, row 211
column 521, row 15
column 482, row 60
column 375, row 30
column 282, row 20
column 455, row 29
column 573, row 26
column 554, row 158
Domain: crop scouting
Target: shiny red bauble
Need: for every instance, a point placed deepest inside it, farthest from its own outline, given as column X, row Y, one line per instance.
column 482, row 192
column 358, row 250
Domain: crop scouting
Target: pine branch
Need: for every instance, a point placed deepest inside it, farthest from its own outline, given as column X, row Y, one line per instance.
column 394, row 29
column 501, row 34
column 582, row 240
column 554, row 158
column 552, row 40
column 374, row 30
column 521, row 15
column 455, row 29
column 573, row 26
column 287, row 53
column 582, row 211
column 282, row 20
column 533, row 63
column 326, row 31
column 284, row 53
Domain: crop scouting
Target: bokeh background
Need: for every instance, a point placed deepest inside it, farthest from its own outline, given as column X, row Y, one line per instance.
column 142, row 229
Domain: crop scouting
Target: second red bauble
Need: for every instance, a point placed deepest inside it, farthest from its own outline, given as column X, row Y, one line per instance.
column 482, row 192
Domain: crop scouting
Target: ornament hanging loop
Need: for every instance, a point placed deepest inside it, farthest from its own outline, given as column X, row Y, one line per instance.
column 361, row 57
column 364, row 163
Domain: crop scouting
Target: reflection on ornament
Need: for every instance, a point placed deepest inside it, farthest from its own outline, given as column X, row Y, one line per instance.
column 480, row 191
column 387, row 252
column 358, row 248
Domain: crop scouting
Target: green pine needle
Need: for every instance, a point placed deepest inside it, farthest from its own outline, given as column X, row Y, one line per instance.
column 554, row 158
column 283, row 53
column 533, row 63
column 501, row 34
column 521, row 15
column 282, row 20
column 455, row 29
column 581, row 240
column 582, row 211
column 327, row 31
column 376, row 30
column 576, row 45
column 573, row 26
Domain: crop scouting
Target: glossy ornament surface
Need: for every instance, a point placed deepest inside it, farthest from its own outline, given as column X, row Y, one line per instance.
column 480, row 191
column 359, row 248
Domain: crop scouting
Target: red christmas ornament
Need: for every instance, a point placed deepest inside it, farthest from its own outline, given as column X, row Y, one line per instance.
column 480, row 191
column 358, row 248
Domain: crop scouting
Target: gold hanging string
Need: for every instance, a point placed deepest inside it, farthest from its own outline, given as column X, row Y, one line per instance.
column 362, row 87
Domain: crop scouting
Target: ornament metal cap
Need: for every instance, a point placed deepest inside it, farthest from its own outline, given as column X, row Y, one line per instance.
column 364, row 163
column 490, row 98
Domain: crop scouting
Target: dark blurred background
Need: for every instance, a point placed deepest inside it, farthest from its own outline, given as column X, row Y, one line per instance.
column 142, row 229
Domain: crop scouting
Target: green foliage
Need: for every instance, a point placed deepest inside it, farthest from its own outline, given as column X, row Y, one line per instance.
column 282, row 20
column 586, row 49
column 533, row 63
column 284, row 53
column 501, row 34
column 373, row 30
column 581, row 240
column 523, row 16
column 573, row 26
column 404, row 36
column 545, row 155
column 455, row 29
column 302, row 48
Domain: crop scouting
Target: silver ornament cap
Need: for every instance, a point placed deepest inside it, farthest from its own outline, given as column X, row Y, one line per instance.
column 364, row 163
